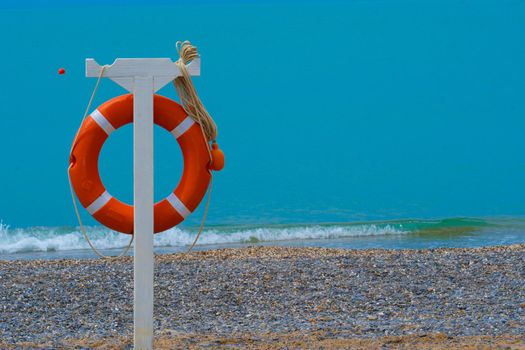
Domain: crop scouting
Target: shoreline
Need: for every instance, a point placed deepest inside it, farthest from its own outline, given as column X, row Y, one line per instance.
column 67, row 242
column 247, row 250
column 260, row 297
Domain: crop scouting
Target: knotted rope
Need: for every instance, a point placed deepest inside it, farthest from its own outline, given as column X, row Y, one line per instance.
column 189, row 99
column 192, row 104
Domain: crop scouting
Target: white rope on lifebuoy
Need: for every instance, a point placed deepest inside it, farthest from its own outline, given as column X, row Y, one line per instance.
column 79, row 219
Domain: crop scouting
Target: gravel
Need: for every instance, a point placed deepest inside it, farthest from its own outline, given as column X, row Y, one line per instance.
column 260, row 290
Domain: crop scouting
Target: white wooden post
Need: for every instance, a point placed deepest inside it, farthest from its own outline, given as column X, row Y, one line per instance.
column 143, row 201
column 142, row 77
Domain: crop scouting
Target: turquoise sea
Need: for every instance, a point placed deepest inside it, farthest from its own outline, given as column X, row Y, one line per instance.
column 355, row 124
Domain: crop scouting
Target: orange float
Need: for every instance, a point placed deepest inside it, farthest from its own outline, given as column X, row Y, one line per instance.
column 199, row 160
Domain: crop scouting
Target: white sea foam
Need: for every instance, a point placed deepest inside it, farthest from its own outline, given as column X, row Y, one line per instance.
column 41, row 239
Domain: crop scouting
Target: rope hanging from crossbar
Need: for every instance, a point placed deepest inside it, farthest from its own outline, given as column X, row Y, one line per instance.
column 189, row 99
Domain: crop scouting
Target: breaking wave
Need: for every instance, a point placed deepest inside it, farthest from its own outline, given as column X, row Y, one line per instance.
column 42, row 239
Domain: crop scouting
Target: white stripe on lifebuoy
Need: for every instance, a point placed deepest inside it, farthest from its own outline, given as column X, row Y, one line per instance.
column 177, row 204
column 182, row 127
column 98, row 203
column 102, row 122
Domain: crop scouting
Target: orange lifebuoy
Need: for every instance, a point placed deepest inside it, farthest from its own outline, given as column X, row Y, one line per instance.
column 169, row 212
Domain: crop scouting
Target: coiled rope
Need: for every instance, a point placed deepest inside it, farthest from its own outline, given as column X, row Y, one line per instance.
column 194, row 107
column 189, row 99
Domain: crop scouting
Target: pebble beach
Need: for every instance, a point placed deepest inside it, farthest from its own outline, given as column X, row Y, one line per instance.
column 274, row 298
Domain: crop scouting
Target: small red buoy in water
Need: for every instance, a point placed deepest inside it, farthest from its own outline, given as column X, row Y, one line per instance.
column 61, row 71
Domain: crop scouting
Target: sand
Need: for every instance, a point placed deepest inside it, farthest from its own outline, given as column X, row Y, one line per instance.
column 275, row 298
